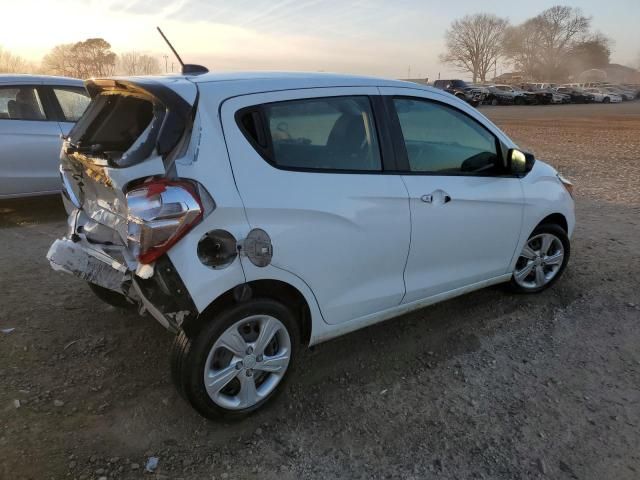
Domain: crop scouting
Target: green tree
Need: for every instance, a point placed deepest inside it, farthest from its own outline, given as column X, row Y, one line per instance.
column 593, row 52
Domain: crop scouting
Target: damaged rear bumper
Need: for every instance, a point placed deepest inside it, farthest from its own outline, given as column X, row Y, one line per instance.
column 163, row 294
column 89, row 264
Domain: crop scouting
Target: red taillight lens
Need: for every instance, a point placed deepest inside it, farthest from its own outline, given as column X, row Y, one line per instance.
column 160, row 213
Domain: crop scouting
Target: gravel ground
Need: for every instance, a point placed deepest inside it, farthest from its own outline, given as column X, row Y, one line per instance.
column 488, row 385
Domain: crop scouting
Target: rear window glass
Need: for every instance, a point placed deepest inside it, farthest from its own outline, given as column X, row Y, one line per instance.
column 113, row 124
column 336, row 133
column 73, row 102
column 121, row 120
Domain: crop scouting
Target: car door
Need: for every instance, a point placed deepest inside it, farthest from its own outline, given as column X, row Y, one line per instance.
column 466, row 211
column 29, row 141
column 310, row 169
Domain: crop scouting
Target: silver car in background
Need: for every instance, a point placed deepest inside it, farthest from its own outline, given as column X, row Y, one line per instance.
column 35, row 111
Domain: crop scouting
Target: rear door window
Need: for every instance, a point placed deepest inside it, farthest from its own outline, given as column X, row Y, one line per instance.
column 21, row 103
column 333, row 134
column 73, row 102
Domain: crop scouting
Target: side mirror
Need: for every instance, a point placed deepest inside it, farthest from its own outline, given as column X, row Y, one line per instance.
column 519, row 163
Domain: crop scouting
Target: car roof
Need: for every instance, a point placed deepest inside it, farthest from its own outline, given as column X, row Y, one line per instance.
column 262, row 81
column 20, row 79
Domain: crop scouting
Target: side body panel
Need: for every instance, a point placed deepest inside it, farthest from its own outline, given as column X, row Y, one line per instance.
column 544, row 195
column 346, row 235
column 468, row 228
column 206, row 161
column 467, row 240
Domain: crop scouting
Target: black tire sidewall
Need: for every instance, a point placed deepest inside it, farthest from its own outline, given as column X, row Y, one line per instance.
column 566, row 244
column 189, row 361
column 110, row 297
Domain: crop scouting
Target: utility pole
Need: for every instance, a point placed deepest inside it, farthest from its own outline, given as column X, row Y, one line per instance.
column 409, row 72
column 166, row 69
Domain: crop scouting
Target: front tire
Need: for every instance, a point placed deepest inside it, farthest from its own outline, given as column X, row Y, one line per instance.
column 238, row 361
column 542, row 261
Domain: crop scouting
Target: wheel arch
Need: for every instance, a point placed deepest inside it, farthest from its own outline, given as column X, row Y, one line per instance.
column 555, row 219
column 277, row 290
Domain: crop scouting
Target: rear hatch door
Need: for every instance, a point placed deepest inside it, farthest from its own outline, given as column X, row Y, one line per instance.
column 133, row 129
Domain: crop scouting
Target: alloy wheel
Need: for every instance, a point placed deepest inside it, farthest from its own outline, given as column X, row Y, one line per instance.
column 247, row 362
column 539, row 262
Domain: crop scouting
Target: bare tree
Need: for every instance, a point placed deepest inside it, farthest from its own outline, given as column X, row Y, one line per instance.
column 10, row 63
column 134, row 63
column 542, row 45
column 59, row 61
column 522, row 47
column 91, row 58
column 474, row 44
column 561, row 27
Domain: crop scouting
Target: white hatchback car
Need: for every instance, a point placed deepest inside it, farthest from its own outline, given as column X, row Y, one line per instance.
column 601, row 95
column 35, row 111
column 254, row 214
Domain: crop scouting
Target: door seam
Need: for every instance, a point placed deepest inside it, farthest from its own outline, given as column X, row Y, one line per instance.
column 406, row 261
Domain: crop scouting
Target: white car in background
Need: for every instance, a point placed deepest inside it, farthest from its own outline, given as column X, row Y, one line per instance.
column 35, row 111
column 601, row 95
column 624, row 94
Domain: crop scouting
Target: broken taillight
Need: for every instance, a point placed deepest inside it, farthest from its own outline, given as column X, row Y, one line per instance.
column 160, row 213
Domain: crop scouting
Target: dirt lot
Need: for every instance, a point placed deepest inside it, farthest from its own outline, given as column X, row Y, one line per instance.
column 485, row 386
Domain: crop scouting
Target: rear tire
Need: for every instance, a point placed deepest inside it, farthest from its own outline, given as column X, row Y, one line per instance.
column 542, row 260
column 606, row 100
column 110, row 297
column 245, row 353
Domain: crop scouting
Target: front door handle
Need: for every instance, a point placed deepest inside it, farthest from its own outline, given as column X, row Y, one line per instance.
column 439, row 197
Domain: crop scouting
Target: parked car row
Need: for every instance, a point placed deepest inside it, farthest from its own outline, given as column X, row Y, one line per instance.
column 472, row 94
column 538, row 93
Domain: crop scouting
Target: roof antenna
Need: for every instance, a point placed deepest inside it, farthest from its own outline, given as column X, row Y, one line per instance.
column 188, row 68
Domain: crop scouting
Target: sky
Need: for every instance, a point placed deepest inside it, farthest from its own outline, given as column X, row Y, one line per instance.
column 397, row 39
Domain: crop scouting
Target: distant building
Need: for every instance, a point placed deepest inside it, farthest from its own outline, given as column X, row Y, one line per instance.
column 613, row 73
column 510, row 78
